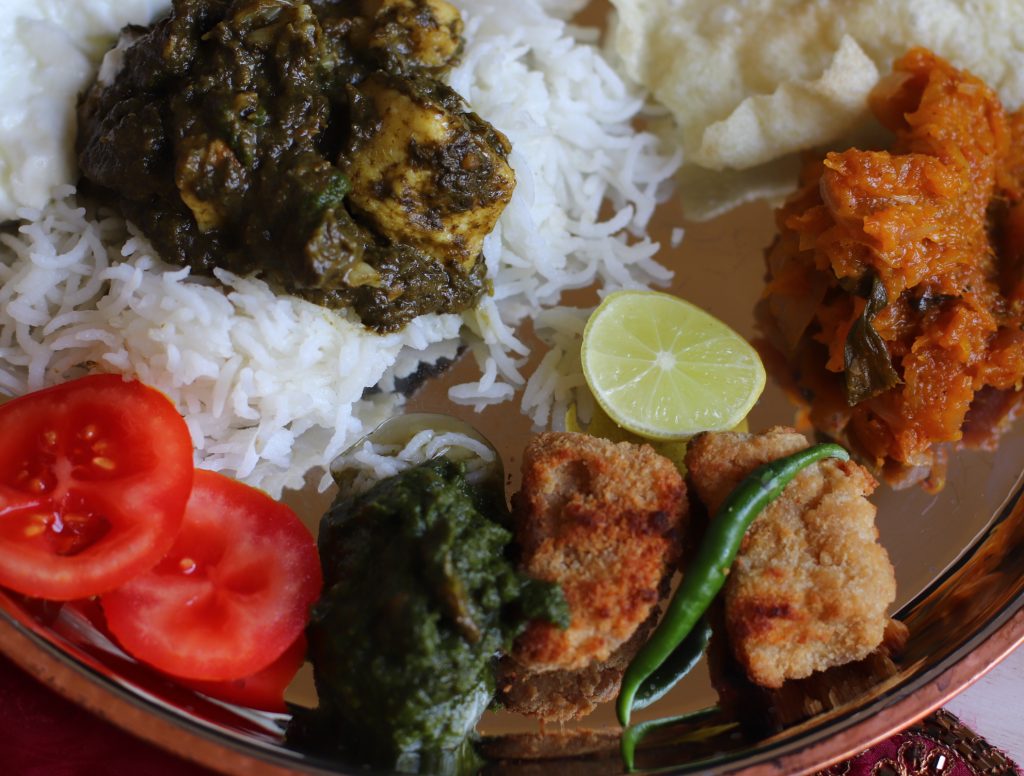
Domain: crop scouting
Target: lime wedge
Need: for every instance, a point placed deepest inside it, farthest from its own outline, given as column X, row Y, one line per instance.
column 665, row 369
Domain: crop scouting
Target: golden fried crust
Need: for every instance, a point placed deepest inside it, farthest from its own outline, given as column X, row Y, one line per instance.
column 810, row 587
column 604, row 521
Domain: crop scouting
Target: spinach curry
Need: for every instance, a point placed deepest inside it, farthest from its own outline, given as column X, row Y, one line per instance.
column 309, row 142
column 419, row 598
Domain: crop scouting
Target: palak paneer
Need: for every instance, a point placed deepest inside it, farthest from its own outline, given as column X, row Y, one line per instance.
column 313, row 143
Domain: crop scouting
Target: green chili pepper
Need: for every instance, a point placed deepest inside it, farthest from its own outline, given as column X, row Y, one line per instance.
column 634, row 734
column 676, row 666
column 706, row 574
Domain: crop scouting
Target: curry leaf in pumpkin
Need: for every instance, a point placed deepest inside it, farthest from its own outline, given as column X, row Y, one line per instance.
column 869, row 369
column 929, row 300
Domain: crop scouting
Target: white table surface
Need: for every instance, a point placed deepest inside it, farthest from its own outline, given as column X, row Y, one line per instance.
column 994, row 706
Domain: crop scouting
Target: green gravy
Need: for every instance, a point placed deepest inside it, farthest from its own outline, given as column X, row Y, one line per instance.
column 419, row 598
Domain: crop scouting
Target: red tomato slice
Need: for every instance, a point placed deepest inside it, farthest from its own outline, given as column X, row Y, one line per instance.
column 94, row 477
column 265, row 689
column 232, row 594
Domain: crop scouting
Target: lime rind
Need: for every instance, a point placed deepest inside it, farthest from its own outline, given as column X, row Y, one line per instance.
column 707, row 378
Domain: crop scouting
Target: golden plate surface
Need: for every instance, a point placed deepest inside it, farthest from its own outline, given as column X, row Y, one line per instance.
column 959, row 559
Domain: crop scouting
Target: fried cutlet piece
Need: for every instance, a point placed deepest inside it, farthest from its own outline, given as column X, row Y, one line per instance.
column 810, row 587
column 561, row 694
column 557, row 696
column 605, row 522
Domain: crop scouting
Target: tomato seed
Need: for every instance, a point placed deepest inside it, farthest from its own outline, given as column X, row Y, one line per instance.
column 104, row 463
column 50, row 438
column 187, row 565
column 89, row 433
column 38, row 523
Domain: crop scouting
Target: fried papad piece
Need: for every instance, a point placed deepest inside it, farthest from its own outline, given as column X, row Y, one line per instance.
column 604, row 521
column 811, row 584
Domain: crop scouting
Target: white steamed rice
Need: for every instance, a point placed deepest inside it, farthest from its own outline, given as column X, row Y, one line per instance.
column 569, row 117
column 368, row 462
column 272, row 386
column 558, row 380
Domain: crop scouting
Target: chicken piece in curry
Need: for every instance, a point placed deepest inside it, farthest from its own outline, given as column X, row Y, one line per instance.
column 312, row 143
column 895, row 291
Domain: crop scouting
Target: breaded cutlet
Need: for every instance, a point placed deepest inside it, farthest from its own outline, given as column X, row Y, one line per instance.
column 562, row 694
column 604, row 521
column 811, row 585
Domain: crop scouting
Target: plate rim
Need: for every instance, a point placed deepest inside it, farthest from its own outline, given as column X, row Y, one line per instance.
column 228, row 753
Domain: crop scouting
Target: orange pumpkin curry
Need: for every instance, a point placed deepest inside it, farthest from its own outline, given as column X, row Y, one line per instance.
column 895, row 287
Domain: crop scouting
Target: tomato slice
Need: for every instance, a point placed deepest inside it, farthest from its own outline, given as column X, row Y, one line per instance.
column 94, row 477
column 263, row 690
column 232, row 594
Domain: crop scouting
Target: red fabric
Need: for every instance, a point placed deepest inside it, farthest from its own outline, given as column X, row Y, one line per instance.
column 43, row 734
column 903, row 755
column 939, row 746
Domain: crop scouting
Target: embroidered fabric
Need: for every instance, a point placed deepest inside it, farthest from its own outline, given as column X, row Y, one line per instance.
column 940, row 745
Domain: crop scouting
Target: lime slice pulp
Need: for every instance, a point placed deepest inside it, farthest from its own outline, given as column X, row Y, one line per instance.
column 665, row 369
